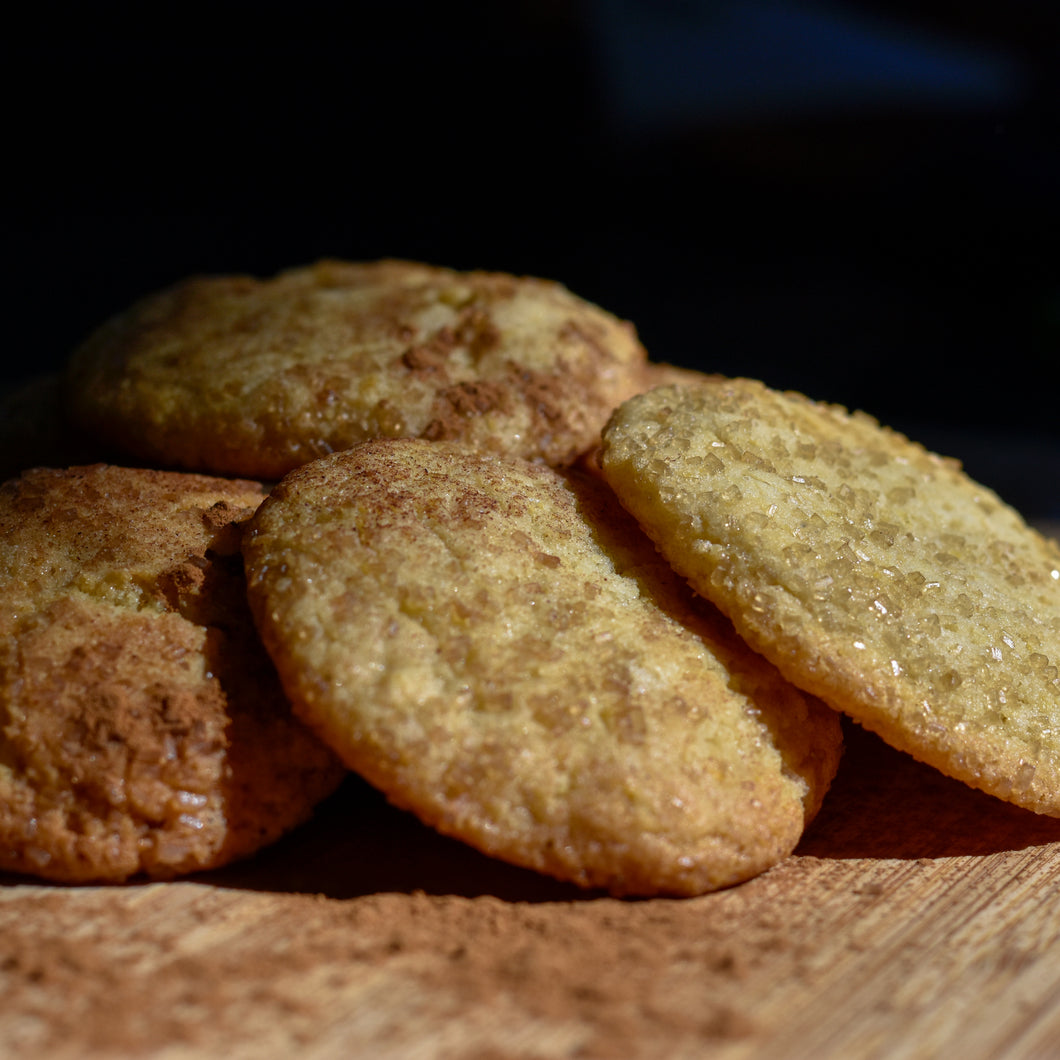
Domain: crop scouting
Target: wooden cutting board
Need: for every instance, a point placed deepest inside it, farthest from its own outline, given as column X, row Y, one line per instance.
column 918, row 918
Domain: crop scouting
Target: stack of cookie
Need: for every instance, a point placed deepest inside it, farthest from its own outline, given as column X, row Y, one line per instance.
column 594, row 616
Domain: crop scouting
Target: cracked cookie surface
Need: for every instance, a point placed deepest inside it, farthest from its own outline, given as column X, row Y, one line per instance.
column 236, row 375
column 143, row 727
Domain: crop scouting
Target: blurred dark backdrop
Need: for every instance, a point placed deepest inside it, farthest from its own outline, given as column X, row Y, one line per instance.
column 860, row 200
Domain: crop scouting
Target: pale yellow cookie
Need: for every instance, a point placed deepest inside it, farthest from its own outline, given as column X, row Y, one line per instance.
column 143, row 727
column 654, row 374
column 235, row 375
column 874, row 574
column 499, row 648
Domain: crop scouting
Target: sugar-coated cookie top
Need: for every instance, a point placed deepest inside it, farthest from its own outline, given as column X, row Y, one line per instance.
column 235, row 375
column 499, row 648
column 873, row 573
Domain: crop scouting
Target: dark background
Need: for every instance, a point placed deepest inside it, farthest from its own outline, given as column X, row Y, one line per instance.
column 858, row 200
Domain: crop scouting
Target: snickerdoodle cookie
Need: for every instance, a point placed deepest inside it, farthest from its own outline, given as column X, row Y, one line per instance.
column 143, row 727
column 873, row 573
column 497, row 646
column 235, row 375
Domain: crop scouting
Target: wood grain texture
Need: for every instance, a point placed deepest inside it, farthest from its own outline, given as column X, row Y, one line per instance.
column 918, row 918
